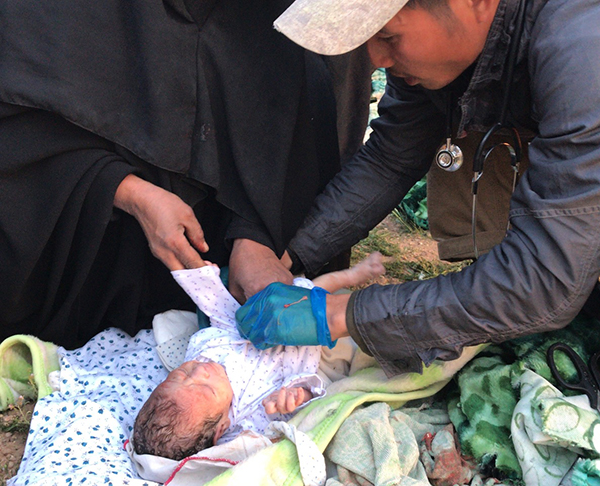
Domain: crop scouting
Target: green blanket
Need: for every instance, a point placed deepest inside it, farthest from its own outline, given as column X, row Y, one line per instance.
column 487, row 390
column 278, row 465
column 25, row 362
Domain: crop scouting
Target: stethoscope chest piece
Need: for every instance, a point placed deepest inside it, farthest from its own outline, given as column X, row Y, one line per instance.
column 449, row 157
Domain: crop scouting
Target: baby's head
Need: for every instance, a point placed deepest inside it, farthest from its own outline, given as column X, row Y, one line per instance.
column 186, row 413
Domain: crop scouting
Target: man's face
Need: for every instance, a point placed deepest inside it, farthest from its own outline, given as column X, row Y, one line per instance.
column 431, row 48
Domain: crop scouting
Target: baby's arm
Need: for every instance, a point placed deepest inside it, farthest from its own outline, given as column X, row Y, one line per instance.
column 207, row 291
column 359, row 274
column 286, row 400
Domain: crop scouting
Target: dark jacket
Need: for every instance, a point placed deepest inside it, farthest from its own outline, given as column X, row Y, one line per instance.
column 541, row 274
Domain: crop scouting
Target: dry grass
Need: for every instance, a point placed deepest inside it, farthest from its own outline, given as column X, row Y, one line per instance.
column 409, row 252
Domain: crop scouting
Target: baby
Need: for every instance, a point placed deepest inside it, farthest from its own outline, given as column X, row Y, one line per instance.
column 226, row 385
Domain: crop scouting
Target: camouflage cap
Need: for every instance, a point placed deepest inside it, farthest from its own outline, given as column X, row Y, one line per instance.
column 333, row 27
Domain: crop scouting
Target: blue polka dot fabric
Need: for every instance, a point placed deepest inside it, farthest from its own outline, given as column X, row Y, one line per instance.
column 77, row 434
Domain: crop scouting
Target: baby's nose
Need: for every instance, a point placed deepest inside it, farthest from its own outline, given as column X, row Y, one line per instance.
column 202, row 372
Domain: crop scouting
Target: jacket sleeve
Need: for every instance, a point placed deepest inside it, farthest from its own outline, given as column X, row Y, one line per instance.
column 397, row 154
column 539, row 277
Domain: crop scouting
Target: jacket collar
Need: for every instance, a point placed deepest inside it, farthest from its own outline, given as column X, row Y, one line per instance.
column 480, row 103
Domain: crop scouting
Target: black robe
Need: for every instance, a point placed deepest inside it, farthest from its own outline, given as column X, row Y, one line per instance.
column 220, row 109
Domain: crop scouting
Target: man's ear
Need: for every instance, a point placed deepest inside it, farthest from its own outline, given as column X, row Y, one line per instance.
column 222, row 426
column 484, row 10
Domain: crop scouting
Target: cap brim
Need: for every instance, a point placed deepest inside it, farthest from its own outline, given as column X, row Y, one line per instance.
column 334, row 27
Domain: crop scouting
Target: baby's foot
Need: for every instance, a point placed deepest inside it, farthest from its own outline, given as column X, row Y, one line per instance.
column 367, row 269
column 359, row 274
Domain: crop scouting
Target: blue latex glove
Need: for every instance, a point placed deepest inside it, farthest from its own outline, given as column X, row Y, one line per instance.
column 285, row 314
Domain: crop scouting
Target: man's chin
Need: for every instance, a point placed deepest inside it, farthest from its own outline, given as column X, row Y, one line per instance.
column 434, row 85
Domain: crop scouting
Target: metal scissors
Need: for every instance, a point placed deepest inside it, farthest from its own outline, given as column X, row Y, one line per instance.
column 588, row 374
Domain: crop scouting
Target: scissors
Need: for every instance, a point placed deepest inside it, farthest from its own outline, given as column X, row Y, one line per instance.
column 588, row 375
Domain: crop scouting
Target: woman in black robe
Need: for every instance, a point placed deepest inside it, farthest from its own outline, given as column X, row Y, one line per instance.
column 133, row 127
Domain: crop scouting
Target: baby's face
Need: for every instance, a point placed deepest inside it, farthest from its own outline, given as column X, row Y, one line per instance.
column 203, row 389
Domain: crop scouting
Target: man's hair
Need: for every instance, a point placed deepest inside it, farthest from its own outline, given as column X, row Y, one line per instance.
column 161, row 429
column 427, row 4
column 438, row 8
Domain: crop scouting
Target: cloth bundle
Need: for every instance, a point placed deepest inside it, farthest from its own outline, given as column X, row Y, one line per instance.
column 512, row 419
column 79, row 434
column 25, row 363
column 280, row 463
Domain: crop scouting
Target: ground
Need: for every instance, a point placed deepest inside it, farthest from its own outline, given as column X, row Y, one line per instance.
column 409, row 254
column 14, row 425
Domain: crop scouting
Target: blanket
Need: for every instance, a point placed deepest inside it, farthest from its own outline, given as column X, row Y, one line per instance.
column 78, row 434
column 502, row 393
column 357, row 434
column 25, row 365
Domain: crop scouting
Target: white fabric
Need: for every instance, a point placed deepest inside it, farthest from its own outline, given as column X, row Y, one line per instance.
column 312, row 461
column 77, row 434
column 172, row 332
column 254, row 374
column 201, row 467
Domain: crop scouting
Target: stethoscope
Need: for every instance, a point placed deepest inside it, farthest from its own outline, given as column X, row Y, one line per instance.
column 450, row 157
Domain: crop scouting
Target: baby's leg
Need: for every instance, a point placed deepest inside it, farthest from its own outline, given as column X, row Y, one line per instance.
column 359, row 274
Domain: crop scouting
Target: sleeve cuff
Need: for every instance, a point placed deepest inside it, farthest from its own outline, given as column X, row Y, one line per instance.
column 297, row 266
column 313, row 383
column 351, row 325
column 242, row 228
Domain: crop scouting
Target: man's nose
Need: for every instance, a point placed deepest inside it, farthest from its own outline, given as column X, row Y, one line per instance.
column 380, row 53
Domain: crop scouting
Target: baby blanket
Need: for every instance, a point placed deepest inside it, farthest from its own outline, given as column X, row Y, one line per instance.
column 78, row 434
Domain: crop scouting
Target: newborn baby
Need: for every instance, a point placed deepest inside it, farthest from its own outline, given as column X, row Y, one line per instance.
column 227, row 385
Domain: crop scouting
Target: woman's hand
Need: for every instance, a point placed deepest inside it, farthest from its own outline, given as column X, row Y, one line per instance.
column 174, row 234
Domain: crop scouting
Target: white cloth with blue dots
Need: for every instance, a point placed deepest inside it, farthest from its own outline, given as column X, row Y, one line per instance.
column 77, row 434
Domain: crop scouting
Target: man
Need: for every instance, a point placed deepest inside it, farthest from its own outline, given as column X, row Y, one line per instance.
column 545, row 268
column 137, row 135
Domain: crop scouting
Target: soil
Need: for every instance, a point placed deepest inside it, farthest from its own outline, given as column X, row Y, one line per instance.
column 415, row 245
column 13, row 434
column 14, row 422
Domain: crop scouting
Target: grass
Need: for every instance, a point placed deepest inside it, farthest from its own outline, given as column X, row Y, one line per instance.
column 420, row 269
column 16, row 423
column 377, row 240
column 401, row 263
column 406, row 224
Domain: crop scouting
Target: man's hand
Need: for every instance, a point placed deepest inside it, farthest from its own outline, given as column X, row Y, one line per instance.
column 285, row 314
column 252, row 267
column 174, row 234
column 286, row 400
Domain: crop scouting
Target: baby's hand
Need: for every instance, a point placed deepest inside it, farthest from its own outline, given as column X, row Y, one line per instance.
column 286, row 400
